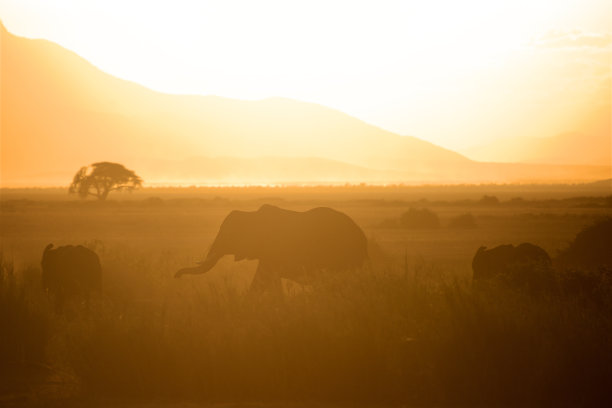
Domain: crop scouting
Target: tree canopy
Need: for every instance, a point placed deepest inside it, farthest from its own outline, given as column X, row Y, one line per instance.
column 103, row 178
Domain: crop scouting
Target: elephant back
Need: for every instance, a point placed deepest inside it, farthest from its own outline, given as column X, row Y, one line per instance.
column 526, row 266
column 318, row 238
column 70, row 271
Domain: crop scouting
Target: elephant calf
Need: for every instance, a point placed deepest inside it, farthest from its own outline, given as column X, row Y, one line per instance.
column 70, row 272
column 288, row 244
column 524, row 266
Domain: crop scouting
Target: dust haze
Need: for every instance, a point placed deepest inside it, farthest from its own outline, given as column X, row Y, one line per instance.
column 413, row 324
column 416, row 212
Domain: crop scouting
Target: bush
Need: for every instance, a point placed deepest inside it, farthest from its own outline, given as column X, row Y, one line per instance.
column 489, row 200
column 419, row 218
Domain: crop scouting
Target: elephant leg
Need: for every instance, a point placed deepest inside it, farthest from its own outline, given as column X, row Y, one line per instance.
column 59, row 298
column 266, row 279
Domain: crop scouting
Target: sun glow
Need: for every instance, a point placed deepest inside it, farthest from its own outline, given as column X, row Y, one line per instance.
column 444, row 71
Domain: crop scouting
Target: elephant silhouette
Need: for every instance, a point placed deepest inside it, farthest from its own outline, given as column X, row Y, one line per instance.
column 70, row 272
column 585, row 266
column 590, row 250
column 288, row 244
column 526, row 266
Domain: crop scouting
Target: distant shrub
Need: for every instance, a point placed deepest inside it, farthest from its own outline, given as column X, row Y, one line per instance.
column 463, row 221
column 488, row 200
column 419, row 218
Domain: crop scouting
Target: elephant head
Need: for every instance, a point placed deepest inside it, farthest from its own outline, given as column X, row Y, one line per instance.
column 240, row 235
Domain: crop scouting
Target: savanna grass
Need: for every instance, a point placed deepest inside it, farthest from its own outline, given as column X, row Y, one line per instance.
column 24, row 332
column 392, row 335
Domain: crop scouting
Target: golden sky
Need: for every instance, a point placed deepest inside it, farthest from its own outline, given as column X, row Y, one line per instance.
column 456, row 73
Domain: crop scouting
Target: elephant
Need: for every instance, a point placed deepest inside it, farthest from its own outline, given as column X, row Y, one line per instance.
column 591, row 249
column 525, row 266
column 70, row 272
column 288, row 244
column 585, row 266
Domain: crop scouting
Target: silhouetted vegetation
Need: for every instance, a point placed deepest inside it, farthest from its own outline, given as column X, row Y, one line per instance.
column 360, row 337
column 414, row 218
column 489, row 200
column 103, row 178
column 538, row 197
column 419, row 218
column 24, row 333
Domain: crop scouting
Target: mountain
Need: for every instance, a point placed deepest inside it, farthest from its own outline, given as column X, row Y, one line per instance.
column 59, row 112
column 592, row 146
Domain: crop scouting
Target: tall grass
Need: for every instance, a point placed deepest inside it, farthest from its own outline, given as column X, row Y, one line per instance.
column 24, row 332
column 390, row 336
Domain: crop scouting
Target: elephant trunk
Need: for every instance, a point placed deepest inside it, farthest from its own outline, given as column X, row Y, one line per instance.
column 211, row 260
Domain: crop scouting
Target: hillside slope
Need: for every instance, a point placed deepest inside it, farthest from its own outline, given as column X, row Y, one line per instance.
column 59, row 112
column 592, row 146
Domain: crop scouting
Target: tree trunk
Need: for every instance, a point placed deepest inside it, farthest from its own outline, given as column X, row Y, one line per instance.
column 103, row 195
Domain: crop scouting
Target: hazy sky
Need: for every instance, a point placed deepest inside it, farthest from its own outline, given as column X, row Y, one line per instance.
column 457, row 73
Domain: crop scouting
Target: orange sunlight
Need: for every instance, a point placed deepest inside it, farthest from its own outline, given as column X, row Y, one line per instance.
column 307, row 204
column 525, row 82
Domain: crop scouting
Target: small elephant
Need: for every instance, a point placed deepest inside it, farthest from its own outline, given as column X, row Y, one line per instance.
column 70, row 272
column 288, row 244
column 524, row 266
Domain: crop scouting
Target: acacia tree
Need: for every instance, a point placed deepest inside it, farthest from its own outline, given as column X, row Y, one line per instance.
column 103, row 178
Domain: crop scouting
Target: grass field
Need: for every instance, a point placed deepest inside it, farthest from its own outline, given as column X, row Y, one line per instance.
column 407, row 331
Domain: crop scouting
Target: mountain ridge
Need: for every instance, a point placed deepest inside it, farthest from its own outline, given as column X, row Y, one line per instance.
column 591, row 145
column 61, row 112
